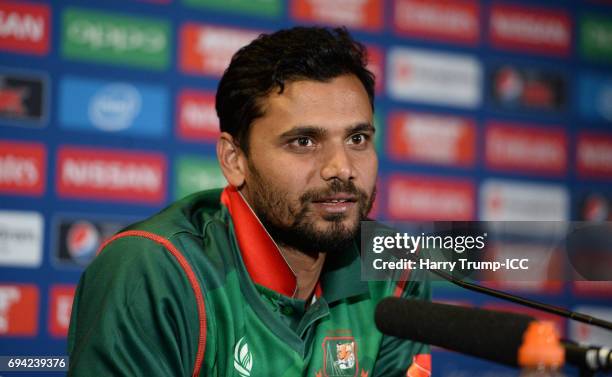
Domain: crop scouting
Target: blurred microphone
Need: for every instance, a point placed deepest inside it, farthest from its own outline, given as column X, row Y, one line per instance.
column 491, row 335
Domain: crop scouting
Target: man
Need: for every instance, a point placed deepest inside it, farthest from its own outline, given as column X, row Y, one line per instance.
column 261, row 278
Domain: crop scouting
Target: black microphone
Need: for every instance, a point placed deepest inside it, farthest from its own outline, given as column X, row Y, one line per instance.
column 487, row 334
column 491, row 335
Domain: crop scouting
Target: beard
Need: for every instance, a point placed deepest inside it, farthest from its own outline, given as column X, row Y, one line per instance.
column 294, row 224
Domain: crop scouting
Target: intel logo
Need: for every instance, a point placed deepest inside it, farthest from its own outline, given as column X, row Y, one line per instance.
column 114, row 107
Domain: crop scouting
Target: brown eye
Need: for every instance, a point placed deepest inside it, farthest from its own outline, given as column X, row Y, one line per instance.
column 303, row 141
column 358, row 139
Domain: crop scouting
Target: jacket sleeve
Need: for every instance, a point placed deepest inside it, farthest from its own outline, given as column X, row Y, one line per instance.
column 134, row 314
column 401, row 357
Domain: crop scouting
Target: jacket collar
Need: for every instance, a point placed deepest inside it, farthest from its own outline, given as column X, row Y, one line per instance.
column 267, row 267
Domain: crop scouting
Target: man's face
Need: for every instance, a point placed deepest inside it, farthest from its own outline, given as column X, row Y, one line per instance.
column 312, row 165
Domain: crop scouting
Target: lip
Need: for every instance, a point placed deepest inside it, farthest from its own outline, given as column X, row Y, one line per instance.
column 338, row 197
column 335, row 204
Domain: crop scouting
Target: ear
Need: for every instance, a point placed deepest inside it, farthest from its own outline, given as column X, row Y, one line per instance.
column 231, row 159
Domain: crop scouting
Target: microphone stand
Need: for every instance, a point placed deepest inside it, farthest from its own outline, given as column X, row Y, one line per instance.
column 580, row 317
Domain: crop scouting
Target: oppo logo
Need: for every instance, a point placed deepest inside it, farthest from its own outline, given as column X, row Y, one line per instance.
column 100, row 35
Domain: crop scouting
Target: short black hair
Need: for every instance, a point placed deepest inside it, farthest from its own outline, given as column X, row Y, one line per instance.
column 271, row 60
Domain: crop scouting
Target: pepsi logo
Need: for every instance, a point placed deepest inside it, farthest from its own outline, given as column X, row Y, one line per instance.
column 595, row 208
column 83, row 241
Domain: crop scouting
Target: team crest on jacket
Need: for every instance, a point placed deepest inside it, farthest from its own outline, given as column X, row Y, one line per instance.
column 340, row 356
column 243, row 359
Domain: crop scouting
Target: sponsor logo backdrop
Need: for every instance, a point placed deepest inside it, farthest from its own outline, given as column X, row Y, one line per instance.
column 486, row 110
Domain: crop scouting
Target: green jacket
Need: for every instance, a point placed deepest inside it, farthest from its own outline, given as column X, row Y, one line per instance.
column 200, row 289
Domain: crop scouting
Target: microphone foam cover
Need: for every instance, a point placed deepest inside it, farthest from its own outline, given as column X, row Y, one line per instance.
column 488, row 334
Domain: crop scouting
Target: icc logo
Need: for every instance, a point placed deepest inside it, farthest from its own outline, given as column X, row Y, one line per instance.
column 243, row 359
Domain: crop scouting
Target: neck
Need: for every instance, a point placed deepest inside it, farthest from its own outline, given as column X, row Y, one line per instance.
column 307, row 269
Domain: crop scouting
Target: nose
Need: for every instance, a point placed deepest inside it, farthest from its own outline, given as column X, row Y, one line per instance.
column 337, row 164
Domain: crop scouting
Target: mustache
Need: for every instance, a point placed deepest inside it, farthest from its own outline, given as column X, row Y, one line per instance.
column 335, row 187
